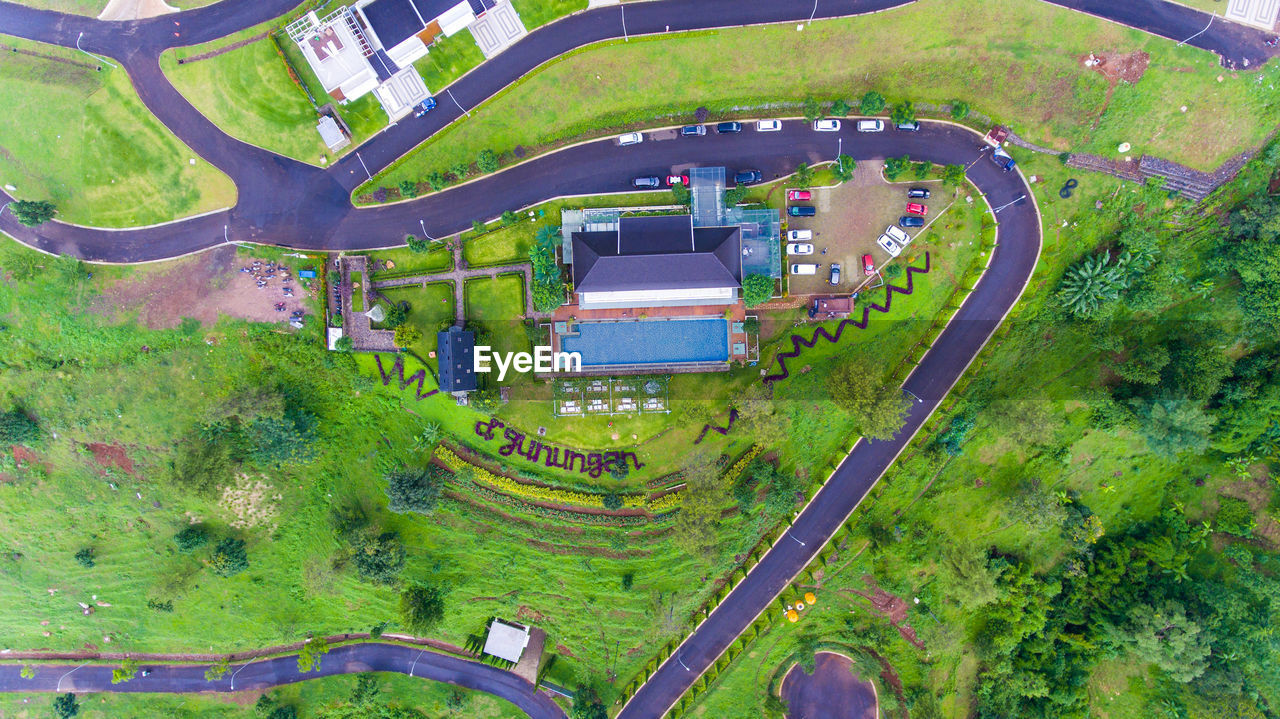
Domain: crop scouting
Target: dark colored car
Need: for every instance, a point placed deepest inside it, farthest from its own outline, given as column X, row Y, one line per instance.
column 835, row 273
column 727, row 128
column 424, row 107
column 693, row 130
column 918, row 193
column 909, row 221
column 748, row 177
column 646, row 182
column 802, row 211
column 908, row 126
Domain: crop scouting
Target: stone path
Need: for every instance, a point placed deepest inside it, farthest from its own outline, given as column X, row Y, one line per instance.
column 460, row 274
column 354, row 324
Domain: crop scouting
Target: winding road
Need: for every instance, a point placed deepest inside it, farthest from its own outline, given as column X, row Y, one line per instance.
column 284, row 202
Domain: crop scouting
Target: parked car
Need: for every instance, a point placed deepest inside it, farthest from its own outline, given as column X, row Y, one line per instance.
column 802, row 211
column 768, row 125
column 798, row 195
column 897, row 235
column 646, row 182
column 799, row 235
column 917, row 208
column 911, row 221
column 804, row 269
column 728, row 128
column 631, row 138
column 1002, row 158
column 826, row 125
column 888, row 245
column 908, row 126
column 870, row 125
column 868, row 265
column 424, row 107
column 748, row 177
column 693, row 130
column 918, row 192
column 835, row 273
column 799, row 248
column 673, row 180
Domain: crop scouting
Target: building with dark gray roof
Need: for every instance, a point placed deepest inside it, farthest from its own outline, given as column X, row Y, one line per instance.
column 455, row 348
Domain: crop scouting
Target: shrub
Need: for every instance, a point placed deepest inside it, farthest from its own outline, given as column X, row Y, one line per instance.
column 191, row 538
column 437, row 181
column 547, row 296
column 66, row 706
column 477, row 226
column 803, row 176
column 895, row 166
column 612, row 501
column 840, row 108
column 871, row 103
column 344, row 344
column 1234, row 516
column 1063, row 157
column 380, row 195
column 844, row 167
column 421, row 607
column 84, row 558
column 953, row 175
column 32, row 212
column 700, row 115
column 415, row 490
column 17, row 427
column 680, row 194
column 922, row 169
column 959, row 109
column 733, row 195
column 417, row 244
column 812, row 109
column 379, row 558
column 460, row 170
column 487, row 161
column 229, row 558
column 406, row 335
column 757, row 289
column 903, row 112
column 509, row 217
column 408, row 189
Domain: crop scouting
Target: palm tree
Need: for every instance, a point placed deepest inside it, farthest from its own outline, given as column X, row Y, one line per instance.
column 1091, row 282
column 428, row 438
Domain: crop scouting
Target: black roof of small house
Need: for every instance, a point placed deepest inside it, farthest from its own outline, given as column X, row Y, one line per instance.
column 454, row 349
column 661, row 252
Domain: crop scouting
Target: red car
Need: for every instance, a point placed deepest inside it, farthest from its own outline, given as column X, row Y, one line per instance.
column 868, row 265
column 917, row 208
column 799, row 195
column 673, row 180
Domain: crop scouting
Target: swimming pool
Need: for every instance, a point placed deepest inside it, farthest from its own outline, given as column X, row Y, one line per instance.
column 650, row 342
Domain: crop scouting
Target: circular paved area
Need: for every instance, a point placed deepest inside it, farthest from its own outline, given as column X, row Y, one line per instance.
column 831, row 692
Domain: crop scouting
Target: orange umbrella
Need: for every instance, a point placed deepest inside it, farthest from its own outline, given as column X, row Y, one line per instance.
column 809, row 598
column 792, row 614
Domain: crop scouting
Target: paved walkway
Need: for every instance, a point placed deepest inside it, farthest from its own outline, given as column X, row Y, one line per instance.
column 460, row 274
column 355, row 324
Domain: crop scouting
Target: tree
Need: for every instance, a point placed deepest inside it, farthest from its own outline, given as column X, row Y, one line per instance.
column 84, row 558
column 1027, row 421
column 478, row 227
column 895, row 166
column 406, row 336
column 953, row 175
column 807, row 645
column 408, row 189
column 547, row 297
column 758, row 414
column 421, row 607
column 1234, row 516
column 309, row 656
column 757, row 289
column 952, row 440
column 1173, row 426
column 229, row 558
column 1143, row 365
column 587, row 705
column 509, row 217
column 191, row 538
column 379, row 558
column 680, row 194
column 344, row 344
column 878, row 410
column 366, row 689
column 967, row 574
column 487, row 161
column 839, row 108
column 844, row 167
column 417, row 244
column 812, row 109
column 217, row 670
column 1164, row 635
column 803, row 176
column 127, row 670
column 1089, row 283
column 696, row 525
column 959, row 109
column 18, row 427
column 415, row 490
column 66, row 706
column 1038, row 507
column 32, row 212
column 736, row 195
column 903, row 113
column 922, row 169
column 395, row 315
column 28, row 672
column 872, row 103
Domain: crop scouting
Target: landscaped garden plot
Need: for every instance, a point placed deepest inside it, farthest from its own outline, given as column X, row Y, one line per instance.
column 404, row 262
column 83, row 140
column 497, row 306
column 449, row 59
column 430, row 311
column 534, row 13
column 503, row 246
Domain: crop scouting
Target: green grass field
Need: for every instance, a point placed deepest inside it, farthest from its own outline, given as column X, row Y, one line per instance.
column 1010, row 71
column 83, row 140
column 429, row 310
column 535, row 13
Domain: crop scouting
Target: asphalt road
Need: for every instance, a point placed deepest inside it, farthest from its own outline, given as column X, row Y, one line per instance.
column 347, row 659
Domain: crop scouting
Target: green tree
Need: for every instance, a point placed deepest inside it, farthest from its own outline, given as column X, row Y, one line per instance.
column 1090, row 283
column 66, row 706
column 967, row 575
column 84, row 558
column 844, row 167
column 229, row 558
column 807, row 646
column 478, row 227
column 1234, row 516
column 378, row 558
column 18, row 427
column 1143, row 365
column 217, row 670
column 417, row 244
column 839, row 108
column 310, row 654
column 812, row 109
column 878, row 410
column 408, row 189
column 1173, row 427
column 959, row 109
column 547, row 297
column 191, row 538
column 759, row 415
column 696, row 526
column 406, row 336
column 953, row 175
column 803, row 176
column 757, row 289
column 509, row 217
column 872, row 103
column 895, row 166
column 28, row 672
column 903, row 113
column 587, row 705
column 487, row 161
column 922, row 169
column 1037, row 506
column 421, row 607
column 127, row 670
column 344, row 344
column 32, row 212
column 366, row 690
column 1165, row 636
column 736, row 195
column 415, row 490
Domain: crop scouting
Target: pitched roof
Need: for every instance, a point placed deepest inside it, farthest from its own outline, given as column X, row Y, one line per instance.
column 394, row 21
column 454, row 349
column 663, row 252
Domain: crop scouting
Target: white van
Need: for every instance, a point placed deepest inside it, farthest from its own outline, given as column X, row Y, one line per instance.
column 799, row 235
column 870, row 125
column 631, row 138
column 806, row 269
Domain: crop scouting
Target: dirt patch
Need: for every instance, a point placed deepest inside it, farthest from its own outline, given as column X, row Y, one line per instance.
column 890, row 606
column 563, row 651
column 205, row 287
column 526, row 614
column 1116, row 67
column 111, row 456
column 252, row 502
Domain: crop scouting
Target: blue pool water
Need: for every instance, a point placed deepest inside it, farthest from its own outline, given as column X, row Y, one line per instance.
column 650, row 342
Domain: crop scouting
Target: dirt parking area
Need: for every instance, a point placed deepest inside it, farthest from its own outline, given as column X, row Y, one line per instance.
column 850, row 218
column 205, row 286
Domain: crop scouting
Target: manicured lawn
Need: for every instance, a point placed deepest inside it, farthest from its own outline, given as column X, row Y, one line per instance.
column 498, row 305
column 503, row 246
column 449, row 59
column 534, row 13
column 406, row 263
column 83, row 140
column 430, row 310
column 1010, row 70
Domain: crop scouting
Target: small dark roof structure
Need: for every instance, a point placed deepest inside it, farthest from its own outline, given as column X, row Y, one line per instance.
column 479, row 7
column 454, row 349
column 394, row 21
column 660, row 252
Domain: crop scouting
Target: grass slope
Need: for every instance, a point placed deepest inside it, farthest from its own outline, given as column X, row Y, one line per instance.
column 84, row 140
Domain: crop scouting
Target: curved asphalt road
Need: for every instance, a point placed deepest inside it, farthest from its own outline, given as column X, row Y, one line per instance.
column 346, row 659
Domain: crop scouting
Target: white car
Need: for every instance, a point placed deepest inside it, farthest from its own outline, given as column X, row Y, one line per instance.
column 897, row 235
column 799, row 235
column 888, row 245
column 826, row 125
column 870, row 125
column 631, row 138
column 804, row 269
column 799, row 248
column 768, row 125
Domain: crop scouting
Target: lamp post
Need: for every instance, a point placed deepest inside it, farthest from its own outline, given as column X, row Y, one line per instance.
column 95, row 57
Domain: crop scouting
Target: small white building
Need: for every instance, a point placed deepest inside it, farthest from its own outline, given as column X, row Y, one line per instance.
column 506, row 640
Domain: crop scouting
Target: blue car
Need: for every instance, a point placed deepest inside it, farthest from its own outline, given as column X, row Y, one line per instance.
column 424, row 107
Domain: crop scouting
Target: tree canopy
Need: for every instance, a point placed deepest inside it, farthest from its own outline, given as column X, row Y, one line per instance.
column 878, row 410
column 416, row 489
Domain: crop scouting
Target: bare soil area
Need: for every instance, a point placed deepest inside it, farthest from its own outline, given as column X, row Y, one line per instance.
column 1117, row 67
column 111, row 456
column 205, row 287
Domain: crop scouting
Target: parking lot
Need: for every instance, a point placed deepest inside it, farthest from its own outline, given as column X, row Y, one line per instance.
column 850, row 218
